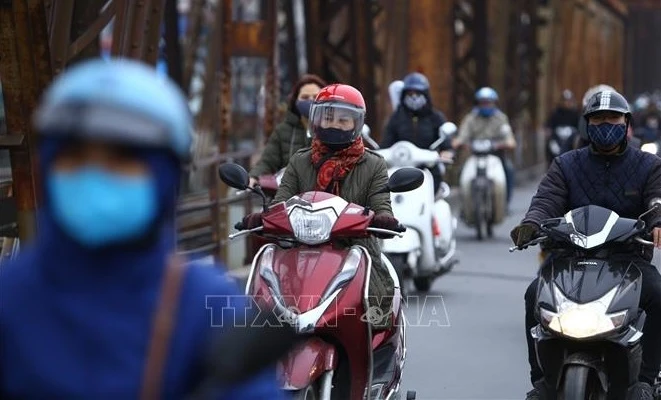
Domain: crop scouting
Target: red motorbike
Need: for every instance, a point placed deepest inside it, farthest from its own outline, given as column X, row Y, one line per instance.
column 322, row 290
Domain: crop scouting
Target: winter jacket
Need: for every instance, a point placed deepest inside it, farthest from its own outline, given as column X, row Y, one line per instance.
column 474, row 126
column 419, row 127
column 625, row 183
column 288, row 137
column 359, row 186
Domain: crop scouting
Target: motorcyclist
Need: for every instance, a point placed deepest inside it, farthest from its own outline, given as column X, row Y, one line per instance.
column 565, row 114
column 338, row 163
column 291, row 134
column 613, row 175
column 79, row 301
column 648, row 121
column 486, row 121
column 415, row 120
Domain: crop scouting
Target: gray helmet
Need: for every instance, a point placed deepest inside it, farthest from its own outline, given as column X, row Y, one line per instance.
column 607, row 100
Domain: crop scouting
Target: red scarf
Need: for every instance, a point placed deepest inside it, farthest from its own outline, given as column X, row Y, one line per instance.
column 335, row 166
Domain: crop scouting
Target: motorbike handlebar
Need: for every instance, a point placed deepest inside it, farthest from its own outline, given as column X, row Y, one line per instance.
column 385, row 231
column 533, row 242
column 543, row 238
column 245, row 232
column 643, row 241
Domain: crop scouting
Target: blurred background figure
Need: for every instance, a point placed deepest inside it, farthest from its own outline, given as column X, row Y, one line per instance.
column 290, row 135
column 102, row 276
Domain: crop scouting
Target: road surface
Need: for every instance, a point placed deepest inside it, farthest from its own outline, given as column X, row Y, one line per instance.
column 478, row 351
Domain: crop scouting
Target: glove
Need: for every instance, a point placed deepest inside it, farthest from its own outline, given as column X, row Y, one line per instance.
column 250, row 221
column 524, row 233
column 386, row 221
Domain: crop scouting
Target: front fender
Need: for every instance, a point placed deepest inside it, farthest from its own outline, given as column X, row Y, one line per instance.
column 306, row 363
column 588, row 361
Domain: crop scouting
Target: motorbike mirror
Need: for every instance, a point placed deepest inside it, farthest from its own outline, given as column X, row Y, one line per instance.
column 234, row 176
column 404, row 180
column 366, row 131
column 448, row 129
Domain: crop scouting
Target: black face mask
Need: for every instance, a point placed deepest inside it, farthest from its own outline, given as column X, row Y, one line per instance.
column 335, row 139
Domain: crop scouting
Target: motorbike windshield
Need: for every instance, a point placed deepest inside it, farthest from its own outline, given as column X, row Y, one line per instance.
column 591, row 226
column 313, row 221
column 481, row 146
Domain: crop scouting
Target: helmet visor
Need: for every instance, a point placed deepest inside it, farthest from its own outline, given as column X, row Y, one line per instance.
column 336, row 117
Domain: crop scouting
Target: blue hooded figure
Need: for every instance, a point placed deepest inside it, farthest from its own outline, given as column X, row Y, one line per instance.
column 77, row 304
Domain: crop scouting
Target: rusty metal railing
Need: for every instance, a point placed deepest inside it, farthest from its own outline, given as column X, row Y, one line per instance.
column 202, row 217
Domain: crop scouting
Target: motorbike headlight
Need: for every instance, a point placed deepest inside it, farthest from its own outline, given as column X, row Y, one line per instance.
column 401, row 156
column 312, row 227
column 481, row 146
column 554, row 147
column 346, row 274
column 582, row 320
column 650, row 148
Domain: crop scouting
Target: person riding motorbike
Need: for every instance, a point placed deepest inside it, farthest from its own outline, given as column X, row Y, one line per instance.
column 339, row 163
column 648, row 122
column 486, row 121
column 415, row 120
column 291, row 134
column 79, row 302
column 565, row 114
column 613, row 175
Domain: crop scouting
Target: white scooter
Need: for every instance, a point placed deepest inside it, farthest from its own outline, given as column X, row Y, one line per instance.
column 427, row 248
column 483, row 188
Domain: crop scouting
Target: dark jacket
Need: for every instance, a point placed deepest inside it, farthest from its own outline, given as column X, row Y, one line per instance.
column 359, row 187
column 624, row 183
column 289, row 137
column 419, row 128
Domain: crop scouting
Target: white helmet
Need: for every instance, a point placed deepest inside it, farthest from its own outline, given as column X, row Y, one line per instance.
column 395, row 92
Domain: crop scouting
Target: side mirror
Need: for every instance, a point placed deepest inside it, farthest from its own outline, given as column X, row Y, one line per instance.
column 655, row 203
column 448, row 129
column 404, row 180
column 366, row 131
column 234, row 176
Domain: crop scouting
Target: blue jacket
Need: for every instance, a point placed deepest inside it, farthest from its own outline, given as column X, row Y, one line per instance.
column 76, row 324
column 85, row 336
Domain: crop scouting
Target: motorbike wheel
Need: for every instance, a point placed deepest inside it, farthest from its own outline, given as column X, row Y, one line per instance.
column 307, row 393
column 422, row 284
column 578, row 386
column 480, row 223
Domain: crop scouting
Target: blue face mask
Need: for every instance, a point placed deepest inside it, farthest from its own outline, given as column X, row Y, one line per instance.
column 96, row 207
column 486, row 111
column 303, row 107
column 606, row 136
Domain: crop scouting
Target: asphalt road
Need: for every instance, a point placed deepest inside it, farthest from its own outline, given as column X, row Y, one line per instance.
column 469, row 340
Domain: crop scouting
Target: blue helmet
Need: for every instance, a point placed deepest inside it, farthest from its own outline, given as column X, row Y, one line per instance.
column 119, row 100
column 486, row 93
column 416, row 81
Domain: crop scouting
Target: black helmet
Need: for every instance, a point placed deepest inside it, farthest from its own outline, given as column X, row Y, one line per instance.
column 607, row 100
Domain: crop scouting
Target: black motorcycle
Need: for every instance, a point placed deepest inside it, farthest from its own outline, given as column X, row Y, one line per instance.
column 588, row 339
